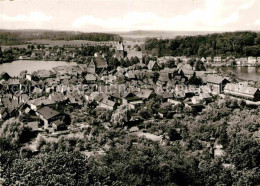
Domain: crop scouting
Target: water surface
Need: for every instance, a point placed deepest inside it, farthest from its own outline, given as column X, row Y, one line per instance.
column 14, row 68
column 246, row 73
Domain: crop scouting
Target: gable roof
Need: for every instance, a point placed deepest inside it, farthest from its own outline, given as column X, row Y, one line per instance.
column 47, row 112
column 215, row 79
column 188, row 72
column 101, row 63
column 151, row 64
column 130, row 75
column 144, row 93
column 43, row 73
column 240, row 90
column 163, row 78
column 90, row 77
column 108, row 102
column 134, row 53
column 13, row 81
column 41, row 100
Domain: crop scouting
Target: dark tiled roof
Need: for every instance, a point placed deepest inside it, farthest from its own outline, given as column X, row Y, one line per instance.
column 215, row 79
column 47, row 112
column 101, row 63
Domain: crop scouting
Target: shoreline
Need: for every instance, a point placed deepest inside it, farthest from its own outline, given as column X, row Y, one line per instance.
column 38, row 61
column 14, row 68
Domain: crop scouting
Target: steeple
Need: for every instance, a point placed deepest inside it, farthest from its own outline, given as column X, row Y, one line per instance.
column 120, row 46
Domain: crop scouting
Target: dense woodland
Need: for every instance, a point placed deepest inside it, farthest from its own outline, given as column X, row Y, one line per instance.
column 184, row 160
column 235, row 44
column 20, row 37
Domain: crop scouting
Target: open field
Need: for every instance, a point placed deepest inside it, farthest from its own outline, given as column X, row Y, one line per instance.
column 143, row 35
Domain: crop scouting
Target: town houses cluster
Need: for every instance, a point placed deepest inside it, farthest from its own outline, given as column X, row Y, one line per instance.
column 44, row 96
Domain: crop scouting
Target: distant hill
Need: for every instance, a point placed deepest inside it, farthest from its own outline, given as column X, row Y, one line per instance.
column 225, row 44
column 143, row 35
column 16, row 37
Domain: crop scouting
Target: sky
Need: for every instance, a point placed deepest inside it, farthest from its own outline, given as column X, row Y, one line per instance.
column 128, row 15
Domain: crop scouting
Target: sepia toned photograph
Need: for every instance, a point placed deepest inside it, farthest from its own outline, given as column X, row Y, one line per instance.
column 130, row 92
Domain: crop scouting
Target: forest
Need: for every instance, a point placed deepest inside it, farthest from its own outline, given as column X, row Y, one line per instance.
column 11, row 37
column 235, row 44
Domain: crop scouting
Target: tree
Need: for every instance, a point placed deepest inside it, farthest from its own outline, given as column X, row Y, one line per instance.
column 136, row 60
column 127, row 61
column 145, row 114
column 123, row 63
column 1, row 53
column 147, row 59
column 170, row 63
column 173, row 134
column 199, row 66
column 48, row 169
column 194, row 80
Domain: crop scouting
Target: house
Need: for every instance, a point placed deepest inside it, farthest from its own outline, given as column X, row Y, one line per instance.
column 62, row 88
column 166, row 96
column 208, row 59
column 96, row 54
column 201, row 98
column 230, row 60
column 3, row 114
column 14, row 85
column 36, row 103
column 145, row 94
column 153, row 65
column 203, row 59
column 195, row 100
column 242, row 61
column 28, row 77
column 59, row 125
column 131, row 98
column 188, row 73
column 109, row 79
column 107, row 104
column 134, row 53
column 75, row 100
column 218, row 150
column 57, row 97
column 91, row 68
column 170, row 72
column 101, row 64
column 242, row 91
column 43, row 74
column 179, row 94
column 217, row 59
column 94, row 96
column 5, row 76
column 49, row 117
column 205, row 97
column 163, row 81
column 23, row 98
column 23, row 58
column 90, row 79
column 117, row 97
column 120, row 52
column 216, row 83
column 251, row 61
column 130, row 75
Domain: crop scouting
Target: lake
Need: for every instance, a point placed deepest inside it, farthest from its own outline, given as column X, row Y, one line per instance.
column 246, row 73
column 14, row 68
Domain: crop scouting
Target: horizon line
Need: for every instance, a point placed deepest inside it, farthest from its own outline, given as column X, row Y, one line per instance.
column 118, row 31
